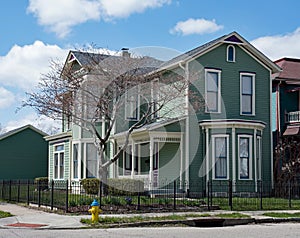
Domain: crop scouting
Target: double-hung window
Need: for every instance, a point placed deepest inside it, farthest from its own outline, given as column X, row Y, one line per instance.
column 91, row 160
column 220, row 154
column 59, row 152
column 213, row 90
column 247, row 94
column 132, row 103
column 75, row 161
column 245, row 156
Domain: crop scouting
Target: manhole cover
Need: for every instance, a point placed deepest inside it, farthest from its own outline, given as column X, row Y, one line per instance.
column 27, row 225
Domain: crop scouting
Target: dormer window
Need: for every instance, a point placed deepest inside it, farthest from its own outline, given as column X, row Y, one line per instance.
column 230, row 53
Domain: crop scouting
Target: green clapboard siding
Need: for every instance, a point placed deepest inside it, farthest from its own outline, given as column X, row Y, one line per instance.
column 24, row 155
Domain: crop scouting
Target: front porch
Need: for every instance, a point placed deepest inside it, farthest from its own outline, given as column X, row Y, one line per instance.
column 154, row 157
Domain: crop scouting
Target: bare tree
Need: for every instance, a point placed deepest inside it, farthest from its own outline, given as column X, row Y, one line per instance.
column 102, row 89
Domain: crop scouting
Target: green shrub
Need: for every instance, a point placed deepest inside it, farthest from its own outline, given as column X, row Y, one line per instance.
column 91, row 185
column 125, row 186
column 42, row 182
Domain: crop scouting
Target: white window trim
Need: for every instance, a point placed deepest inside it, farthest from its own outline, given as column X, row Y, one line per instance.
column 58, row 169
column 250, row 137
column 259, row 157
column 154, row 98
column 214, row 158
column 253, row 94
column 227, row 49
column 138, row 105
column 219, row 89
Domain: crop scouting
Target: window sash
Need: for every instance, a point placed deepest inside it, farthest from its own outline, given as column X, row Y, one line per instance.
column 244, row 156
column 247, row 94
column 230, row 53
column 75, row 161
column 91, row 161
column 212, row 91
column 221, row 157
column 132, row 103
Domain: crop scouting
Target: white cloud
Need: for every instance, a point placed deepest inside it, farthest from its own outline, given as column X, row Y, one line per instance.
column 61, row 16
column 23, row 65
column 121, row 8
column 43, row 123
column 196, row 26
column 7, row 98
column 278, row 46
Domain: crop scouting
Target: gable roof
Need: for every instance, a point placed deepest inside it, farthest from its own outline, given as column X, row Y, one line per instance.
column 290, row 70
column 17, row 130
column 232, row 38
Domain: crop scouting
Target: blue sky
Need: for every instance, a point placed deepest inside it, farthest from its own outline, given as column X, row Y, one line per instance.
column 34, row 32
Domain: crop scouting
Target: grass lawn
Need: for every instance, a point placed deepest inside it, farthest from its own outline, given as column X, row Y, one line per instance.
column 4, row 214
column 105, row 221
column 282, row 214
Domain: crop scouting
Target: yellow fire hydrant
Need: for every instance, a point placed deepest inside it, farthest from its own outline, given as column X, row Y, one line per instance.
column 95, row 210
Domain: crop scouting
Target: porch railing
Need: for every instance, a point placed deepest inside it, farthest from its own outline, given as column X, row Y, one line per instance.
column 292, row 117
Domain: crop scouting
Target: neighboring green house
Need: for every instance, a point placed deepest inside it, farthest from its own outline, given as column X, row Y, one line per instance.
column 23, row 154
column 227, row 138
column 286, row 103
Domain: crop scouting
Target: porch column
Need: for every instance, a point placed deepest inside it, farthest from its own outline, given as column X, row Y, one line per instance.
column 151, row 146
column 207, row 153
column 181, row 163
column 233, row 158
column 132, row 158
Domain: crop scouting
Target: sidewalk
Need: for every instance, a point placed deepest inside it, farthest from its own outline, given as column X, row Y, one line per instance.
column 34, row 218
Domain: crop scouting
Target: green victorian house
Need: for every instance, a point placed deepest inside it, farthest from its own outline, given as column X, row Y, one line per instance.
column 226, row 137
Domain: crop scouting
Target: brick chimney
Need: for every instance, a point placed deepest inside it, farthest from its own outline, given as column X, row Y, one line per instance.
column 125, row 52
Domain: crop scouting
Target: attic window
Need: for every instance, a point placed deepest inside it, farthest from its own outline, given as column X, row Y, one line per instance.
column 230, row 53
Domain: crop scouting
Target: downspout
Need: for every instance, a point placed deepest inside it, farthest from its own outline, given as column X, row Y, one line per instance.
column 187, row 125
column 278, row 123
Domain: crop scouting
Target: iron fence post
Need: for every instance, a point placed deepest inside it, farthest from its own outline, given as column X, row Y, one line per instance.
column 28, row 191
column 230, row 194
column 139, row 201
column 100, row 193
column 290, row 194
column 39, row 193
column 174, row 197
column 208, row 194
column 260, row 193
column 19, row 184
column 67, row 196
column 9, row 195
column 52, row 194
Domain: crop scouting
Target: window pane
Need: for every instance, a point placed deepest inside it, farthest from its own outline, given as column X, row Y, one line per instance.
column 212, row 81
column 75, row 161
column 61, row 165
column 221, row 168
column 244, row 172
column 244, row 157
column 244, row 147
column 220, row 147
column 55, row 166
column 230, row 53
column 91, row 161
column 221, row 157
column 212, row 101
column 59, row 148
column 246, row 84
column 246, row 104
column 128, row 158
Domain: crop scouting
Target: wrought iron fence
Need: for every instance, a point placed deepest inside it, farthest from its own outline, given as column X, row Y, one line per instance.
column 195, row 196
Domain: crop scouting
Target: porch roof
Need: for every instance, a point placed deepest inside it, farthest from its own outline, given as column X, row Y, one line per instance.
column 145, row 131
